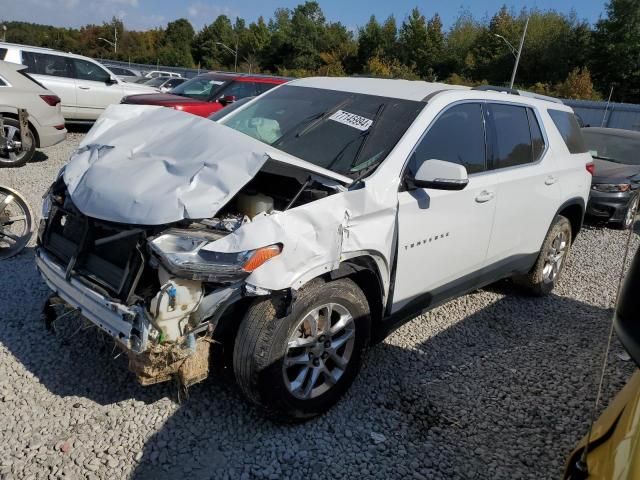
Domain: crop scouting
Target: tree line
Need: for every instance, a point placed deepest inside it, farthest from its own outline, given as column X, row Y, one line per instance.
column 563, row 55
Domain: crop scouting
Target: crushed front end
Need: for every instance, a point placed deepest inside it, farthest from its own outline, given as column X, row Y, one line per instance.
column 122, row 278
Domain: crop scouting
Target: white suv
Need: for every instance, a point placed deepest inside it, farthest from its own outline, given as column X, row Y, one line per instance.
column 85, row 86
column 307, row 223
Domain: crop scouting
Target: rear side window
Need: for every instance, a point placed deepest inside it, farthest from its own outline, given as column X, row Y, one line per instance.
column 568, row 127
column 240, row 90
column 47, row 64
column 443, row 142
column 2, row 82
column 3, row 53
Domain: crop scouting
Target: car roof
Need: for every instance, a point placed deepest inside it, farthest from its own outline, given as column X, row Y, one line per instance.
column 30, row 48
column 617, row 132
column 16, row 67
column 416, row 90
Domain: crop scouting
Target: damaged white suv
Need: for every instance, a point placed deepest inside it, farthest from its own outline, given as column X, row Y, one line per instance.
column 306, row 224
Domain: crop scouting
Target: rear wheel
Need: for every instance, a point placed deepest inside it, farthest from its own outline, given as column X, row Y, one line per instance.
column 546, row 272
column 14, row 154
column 298, row 366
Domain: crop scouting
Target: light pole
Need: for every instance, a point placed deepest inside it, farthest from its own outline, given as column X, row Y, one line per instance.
column 4, row 33
column 114, row 44
column 516, row 53
column 235, row 54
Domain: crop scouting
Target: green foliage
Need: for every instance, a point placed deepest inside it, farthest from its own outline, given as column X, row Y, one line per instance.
column 562, row 54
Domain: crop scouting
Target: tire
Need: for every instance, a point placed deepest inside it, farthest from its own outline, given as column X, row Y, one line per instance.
column 12, row 132
column 262, row 345
column 629, row 214
column 550, row 263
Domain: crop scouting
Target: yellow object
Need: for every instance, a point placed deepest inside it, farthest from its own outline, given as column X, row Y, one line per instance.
column 614, row 453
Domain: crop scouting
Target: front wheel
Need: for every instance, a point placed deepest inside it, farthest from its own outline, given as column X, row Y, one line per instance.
column 297, row 366
column 630, row 214
column 546, row 272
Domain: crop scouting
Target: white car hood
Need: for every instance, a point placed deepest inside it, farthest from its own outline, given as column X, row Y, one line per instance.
column 151, row 165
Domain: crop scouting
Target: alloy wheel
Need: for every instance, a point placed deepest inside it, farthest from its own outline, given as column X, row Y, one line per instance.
column 9, row 155
column 554, row 257
column 319, row 351
column 631, row 213
column 16, row 223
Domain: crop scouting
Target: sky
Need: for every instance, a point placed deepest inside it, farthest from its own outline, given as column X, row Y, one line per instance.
column 144, row 14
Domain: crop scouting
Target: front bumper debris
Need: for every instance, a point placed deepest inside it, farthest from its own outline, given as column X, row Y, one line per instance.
column 127, row 325
column 160, row 363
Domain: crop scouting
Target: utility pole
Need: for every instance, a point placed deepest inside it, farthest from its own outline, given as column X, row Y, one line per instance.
column 114, row 44
column 515, row 67
column 4, row 33
column 514, row 52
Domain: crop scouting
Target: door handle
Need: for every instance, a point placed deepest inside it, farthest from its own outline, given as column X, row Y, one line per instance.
column 84, row 88
column 484, row 196
column 550, row 180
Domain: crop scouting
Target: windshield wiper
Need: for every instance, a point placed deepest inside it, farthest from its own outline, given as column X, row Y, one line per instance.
column 608, row 159
column 367, row 134
column 315, row 120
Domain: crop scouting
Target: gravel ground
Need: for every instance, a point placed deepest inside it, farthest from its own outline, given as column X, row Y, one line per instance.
column 491, row 385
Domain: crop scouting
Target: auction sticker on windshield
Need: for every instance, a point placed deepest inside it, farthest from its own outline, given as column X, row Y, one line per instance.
column 351, row 119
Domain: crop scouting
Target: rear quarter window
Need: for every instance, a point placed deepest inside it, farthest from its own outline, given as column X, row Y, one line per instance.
column 3, row 53
column 569, row 128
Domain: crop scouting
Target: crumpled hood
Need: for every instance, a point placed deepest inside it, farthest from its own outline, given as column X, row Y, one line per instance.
column 152, row 165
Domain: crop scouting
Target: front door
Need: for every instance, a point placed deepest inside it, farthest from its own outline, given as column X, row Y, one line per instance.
column 94, row 89
column 443, row 236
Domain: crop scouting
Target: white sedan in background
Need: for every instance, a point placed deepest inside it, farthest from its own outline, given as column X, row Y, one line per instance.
column 46, row 123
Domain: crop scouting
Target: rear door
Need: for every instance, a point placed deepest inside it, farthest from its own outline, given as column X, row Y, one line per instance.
column 528, row 189
column 443, row 235
column 55, row 72
column 94, row 89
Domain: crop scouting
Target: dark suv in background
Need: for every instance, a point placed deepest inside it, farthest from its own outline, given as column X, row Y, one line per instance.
column 210, row 92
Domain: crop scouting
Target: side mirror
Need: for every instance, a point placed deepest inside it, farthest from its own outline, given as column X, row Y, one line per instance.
column 112, row 80
column 227, row 99
column 439, row 175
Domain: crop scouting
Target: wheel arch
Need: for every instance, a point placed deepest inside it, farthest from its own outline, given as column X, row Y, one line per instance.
column 573, row 210
column 34, row 130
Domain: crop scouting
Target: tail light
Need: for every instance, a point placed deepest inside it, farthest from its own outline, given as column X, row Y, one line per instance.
column 52, row 100
column 591, row 168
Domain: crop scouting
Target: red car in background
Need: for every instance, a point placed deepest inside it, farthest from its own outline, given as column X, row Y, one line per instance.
column 209, row 92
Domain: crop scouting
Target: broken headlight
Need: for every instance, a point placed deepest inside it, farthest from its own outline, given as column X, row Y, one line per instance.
column 181, row 253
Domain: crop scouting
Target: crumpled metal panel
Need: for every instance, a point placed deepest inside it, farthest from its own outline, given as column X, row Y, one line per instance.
column 153, row 165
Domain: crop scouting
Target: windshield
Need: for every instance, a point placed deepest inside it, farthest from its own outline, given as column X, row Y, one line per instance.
column 341, row 131
column 199, row 87
column 612, row 147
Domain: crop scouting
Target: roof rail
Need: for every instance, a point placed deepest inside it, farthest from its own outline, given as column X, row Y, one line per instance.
column 522, row 93
column 492, row 88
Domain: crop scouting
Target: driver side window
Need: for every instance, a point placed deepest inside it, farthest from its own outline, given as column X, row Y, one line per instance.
column 90, row 71
column 456, row 136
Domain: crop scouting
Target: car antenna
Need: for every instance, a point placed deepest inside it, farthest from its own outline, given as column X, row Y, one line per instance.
column 581, row 465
